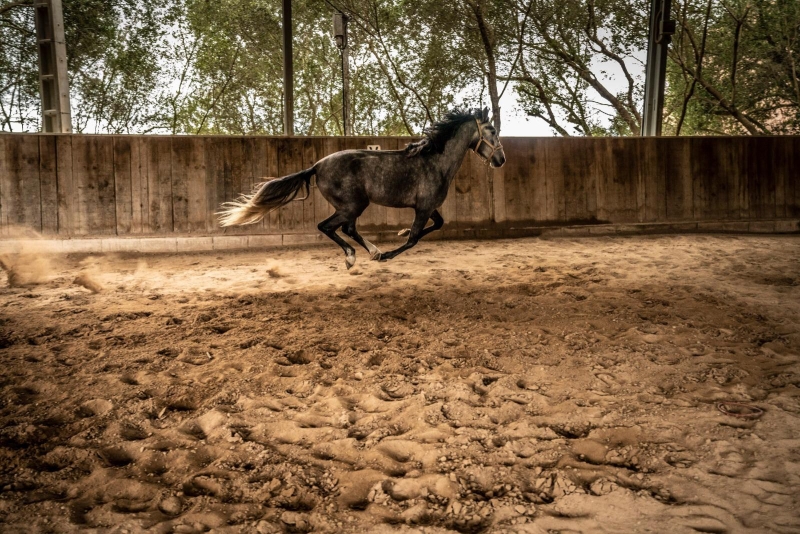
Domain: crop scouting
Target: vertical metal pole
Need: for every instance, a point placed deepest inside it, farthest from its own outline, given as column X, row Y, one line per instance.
column 661, row 30
column 53, row 79
column 346, row 90
column 340, row 36
column 288, row 70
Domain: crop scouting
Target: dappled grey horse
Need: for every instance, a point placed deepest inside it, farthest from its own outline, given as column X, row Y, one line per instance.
column 416, row 177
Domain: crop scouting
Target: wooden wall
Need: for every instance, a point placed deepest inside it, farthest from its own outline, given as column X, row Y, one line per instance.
column 87, row 185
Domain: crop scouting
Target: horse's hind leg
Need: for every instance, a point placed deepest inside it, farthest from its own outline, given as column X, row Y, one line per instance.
column 417, row 231
column 329, row 227
column 349, row 230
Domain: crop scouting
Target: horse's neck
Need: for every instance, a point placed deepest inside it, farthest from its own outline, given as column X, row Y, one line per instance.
column 450, row 159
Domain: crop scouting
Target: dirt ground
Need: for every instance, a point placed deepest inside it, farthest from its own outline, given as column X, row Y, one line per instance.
column 640, row 384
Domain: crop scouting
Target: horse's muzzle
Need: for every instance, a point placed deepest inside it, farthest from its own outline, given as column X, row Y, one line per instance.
column 498, row 159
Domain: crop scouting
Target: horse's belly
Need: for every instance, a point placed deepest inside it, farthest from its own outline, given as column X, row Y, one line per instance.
column 393, row 197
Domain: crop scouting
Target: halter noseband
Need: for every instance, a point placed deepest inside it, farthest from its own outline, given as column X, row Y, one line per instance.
column 482, row 139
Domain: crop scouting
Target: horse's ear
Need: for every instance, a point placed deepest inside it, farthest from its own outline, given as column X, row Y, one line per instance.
column 485, row 116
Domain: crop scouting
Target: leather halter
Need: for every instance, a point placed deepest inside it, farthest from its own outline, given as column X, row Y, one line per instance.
column 482, row 139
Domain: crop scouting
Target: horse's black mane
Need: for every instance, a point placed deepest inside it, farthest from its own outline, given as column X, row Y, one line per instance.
column 437, row 135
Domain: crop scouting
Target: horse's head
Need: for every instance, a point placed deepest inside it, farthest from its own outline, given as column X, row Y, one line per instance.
column 486, row 141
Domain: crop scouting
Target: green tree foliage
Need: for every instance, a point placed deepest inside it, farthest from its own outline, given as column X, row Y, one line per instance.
column 114, row 49
column 19, row 75
column 735, row 67
column 216, row 66
column 579, row 63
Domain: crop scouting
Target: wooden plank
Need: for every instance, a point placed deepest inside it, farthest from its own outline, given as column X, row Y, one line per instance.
column 616, row 190
column 578, row 169
column 48, row 184
column 712, row 167
column 779, row 170
column 555, row 207
column 516, row 200
column 679, row 180
column 536, row 183
column 188, row 174
column 104, row 179
column 67, row 202
column 197, row 201
column 790, row 146
column 139, row 194
column 159, row 185
column 759, row 179
column 738, row 190
column 85, row 188
column 653, row 179
column 123, row 186
column 22, row 204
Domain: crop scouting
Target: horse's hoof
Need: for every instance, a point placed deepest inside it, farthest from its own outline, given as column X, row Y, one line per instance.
column 350, row 260
column 375, row 256
column 404, row 231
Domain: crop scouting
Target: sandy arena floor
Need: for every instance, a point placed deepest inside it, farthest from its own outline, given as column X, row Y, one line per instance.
column 533, row 385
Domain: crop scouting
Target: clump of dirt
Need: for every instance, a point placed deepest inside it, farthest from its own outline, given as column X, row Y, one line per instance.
column 30, row 265
column 86, row 280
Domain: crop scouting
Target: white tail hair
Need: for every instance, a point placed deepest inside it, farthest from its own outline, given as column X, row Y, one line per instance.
column 242, row 211
column 269, row 195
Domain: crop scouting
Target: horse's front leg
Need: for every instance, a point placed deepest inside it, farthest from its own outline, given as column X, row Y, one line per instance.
column 417, row 231
column 438, row 222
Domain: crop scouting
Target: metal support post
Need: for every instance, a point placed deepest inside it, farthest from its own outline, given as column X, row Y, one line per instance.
column 661, row 30
column 288, row 70
column 340, row 35
column 53, row 79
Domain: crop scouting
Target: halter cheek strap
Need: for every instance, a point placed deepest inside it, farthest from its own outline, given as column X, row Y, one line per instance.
column 482, row 139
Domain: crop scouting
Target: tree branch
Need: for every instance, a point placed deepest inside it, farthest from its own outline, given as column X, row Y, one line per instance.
column 11, row 5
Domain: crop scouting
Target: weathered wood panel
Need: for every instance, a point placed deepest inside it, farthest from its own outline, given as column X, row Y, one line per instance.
column 99, row 185
column 21, row 188
column 678, row 178
column 93, row 179
column 652, row 194
column 790, row 173
column 123, row 185
column 525, row 175
column 188, row 172
column 618, row 178
column 159, row 185
column 67, row 216
column 555, row 207
column 48, row 184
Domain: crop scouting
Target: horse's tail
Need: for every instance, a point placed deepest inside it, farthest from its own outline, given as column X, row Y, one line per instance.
column 249, row 209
